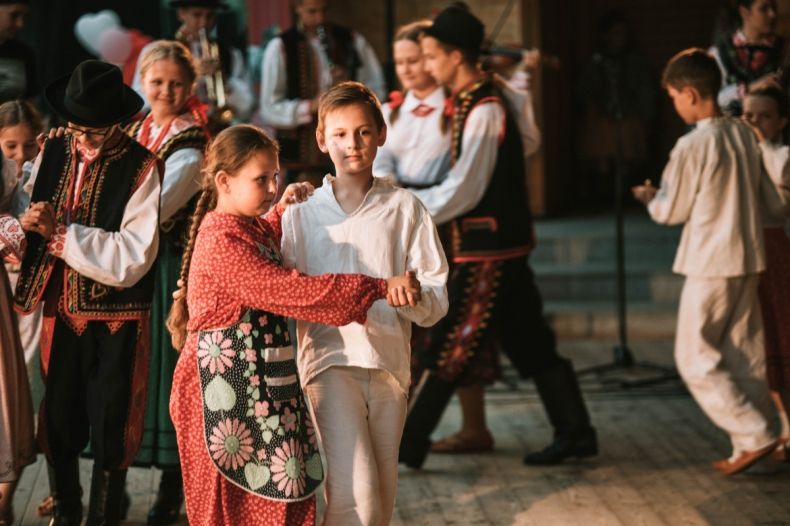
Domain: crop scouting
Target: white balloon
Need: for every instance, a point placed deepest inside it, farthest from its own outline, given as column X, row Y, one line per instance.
column 90, row 26
column 114, row 46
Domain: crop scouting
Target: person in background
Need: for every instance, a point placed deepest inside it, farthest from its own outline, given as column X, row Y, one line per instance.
column 17, row 61
column 298, row 66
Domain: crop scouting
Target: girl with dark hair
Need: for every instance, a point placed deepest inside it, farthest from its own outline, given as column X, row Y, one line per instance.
column 752, row 55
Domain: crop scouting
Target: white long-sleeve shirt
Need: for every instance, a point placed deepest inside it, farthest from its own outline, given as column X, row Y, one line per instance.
column 390, row 233
column 182, row 168
column 278, row 111
column 714, row 184
column 417, row 152
column 468, row 179
column 776, row 159
column 115, row 259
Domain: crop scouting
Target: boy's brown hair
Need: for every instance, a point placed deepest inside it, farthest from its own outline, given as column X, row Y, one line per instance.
column 346, row 94
column 693, row 68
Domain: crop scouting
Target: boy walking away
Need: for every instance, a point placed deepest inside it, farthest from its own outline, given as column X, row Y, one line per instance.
column 715, row 185
column 357, row 376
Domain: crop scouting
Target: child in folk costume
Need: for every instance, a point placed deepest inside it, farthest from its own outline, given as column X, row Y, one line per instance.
column 20, row 123
column 174, row 130
column 246, row 441
column 91, row 238
column 17, row 448
column 493, row 296
column 767, row 110
column 714, row 185
column 357, row 376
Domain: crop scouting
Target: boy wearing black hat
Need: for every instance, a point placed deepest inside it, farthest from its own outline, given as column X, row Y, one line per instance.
column 17, row 62
column 492, row 290
column 91, row 237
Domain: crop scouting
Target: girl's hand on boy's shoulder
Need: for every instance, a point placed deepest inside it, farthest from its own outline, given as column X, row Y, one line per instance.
column 296, row 193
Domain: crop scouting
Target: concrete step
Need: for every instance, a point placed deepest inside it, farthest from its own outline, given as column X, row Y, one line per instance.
column 645, row 321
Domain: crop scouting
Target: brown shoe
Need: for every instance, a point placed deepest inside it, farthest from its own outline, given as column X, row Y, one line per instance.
column 782, row 451
column 459, row 443
column 745, row 460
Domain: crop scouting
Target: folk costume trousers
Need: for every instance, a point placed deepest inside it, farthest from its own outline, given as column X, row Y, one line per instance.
column 491, row 300
column 720, row 354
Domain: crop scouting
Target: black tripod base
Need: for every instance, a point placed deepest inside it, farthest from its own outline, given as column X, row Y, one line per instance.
column 627, row 373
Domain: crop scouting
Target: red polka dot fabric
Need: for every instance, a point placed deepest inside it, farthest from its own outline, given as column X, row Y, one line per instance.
column 236, row 265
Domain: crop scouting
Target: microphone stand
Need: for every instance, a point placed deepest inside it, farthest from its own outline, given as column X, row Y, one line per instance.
column 623, row 363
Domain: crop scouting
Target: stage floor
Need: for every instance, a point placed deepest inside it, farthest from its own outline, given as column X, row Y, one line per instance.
column 654, row 466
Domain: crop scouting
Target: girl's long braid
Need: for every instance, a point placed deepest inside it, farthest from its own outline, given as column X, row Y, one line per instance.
column 179, row 313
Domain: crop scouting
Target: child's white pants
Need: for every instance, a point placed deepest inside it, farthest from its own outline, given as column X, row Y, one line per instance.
column 720, row 354
column 359, row 415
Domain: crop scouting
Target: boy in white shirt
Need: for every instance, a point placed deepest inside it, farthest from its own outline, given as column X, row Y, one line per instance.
column 357, row 376
column 714, row 184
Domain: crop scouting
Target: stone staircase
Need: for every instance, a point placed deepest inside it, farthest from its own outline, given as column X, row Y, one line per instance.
column 574, row 265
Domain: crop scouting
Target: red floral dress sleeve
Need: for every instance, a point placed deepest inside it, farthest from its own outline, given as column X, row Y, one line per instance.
column 12, row 239
column 259, row 281
column 274, row 217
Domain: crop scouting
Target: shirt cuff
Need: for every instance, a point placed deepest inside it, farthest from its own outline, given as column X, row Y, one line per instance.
column 303, row 113
column 57, row 243
column 381, row 288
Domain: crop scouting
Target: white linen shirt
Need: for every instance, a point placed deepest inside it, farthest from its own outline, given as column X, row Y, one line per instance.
column 714, row 183
column 278, row 111
column 390, row 233
column 417, row 152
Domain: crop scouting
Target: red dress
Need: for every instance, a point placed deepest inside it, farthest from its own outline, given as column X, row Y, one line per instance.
column 235, row 267
column 774, row 295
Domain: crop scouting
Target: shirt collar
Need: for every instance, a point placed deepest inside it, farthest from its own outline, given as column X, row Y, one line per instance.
column 434, row 100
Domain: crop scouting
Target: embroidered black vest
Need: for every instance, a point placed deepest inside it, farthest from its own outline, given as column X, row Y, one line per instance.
column 109, row 182
column 500, row 225
column 299, row 145
column 176, row 228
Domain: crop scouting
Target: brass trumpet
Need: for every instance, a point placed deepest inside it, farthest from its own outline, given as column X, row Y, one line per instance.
column 215, row 83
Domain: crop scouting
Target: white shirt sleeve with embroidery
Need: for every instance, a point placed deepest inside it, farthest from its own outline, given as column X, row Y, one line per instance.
column 468, row 179
column 181, row 181
column 276, row 109
column 119, row 259
column 369, row 73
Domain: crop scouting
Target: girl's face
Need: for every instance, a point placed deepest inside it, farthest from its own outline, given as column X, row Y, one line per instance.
column 18, row 143
column 166, row 87
column 410, row 67
column 760, row 18
column 251, row 191
column 763, row 114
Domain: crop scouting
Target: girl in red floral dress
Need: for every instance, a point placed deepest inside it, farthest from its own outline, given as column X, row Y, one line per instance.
column 247, row 445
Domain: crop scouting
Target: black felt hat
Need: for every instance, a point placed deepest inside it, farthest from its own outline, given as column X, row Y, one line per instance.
column 94, row 95
column 216, row 4
column 457, row 27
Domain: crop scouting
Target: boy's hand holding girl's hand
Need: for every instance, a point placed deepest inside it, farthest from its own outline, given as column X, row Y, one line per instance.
column 403, row 290
column 644, row 193
column 296, row 193
column 40, row 218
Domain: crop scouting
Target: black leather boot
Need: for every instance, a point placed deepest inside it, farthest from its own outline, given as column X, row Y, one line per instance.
column 107, row 489
column 169, row 497
column 429, row 401
column 573, row 435
column 64, row 484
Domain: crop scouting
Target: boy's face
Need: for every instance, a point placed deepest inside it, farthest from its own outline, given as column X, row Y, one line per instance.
column 760, row 17
column 12, row 19
column 351, row 138
column 311, row 13
column 193, row 19
column 763, row 114
column 685, row 102
column 439, row 64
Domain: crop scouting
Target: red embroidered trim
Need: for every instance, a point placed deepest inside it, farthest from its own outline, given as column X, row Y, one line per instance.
column 57, row 242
